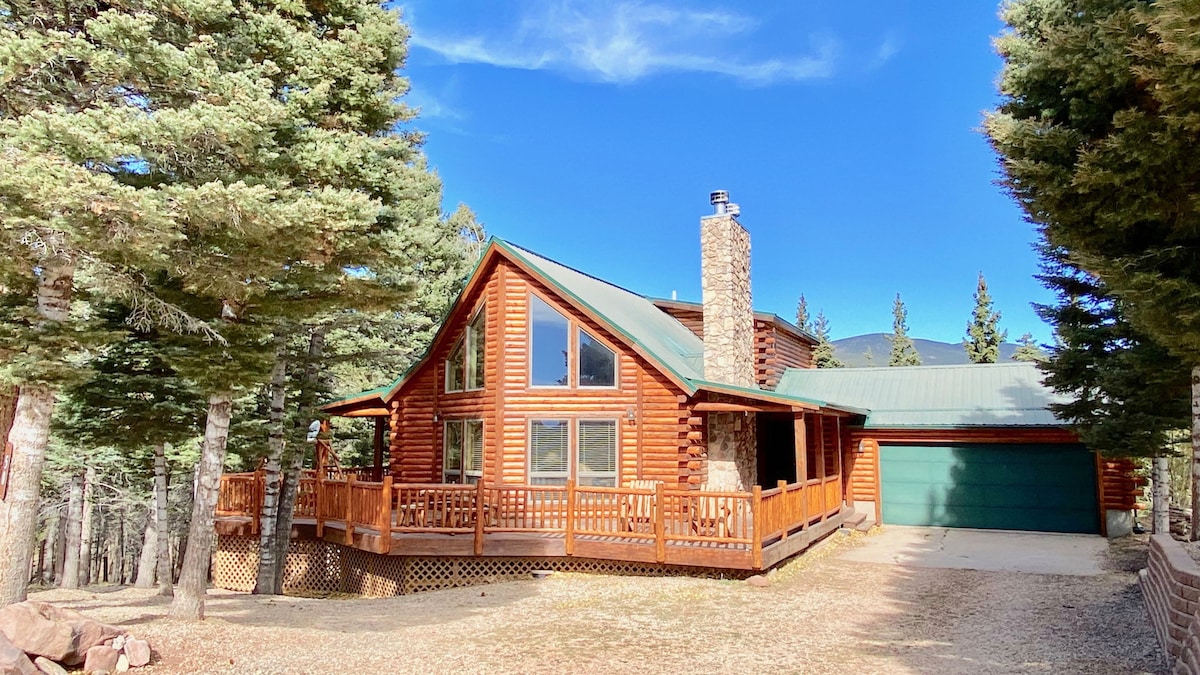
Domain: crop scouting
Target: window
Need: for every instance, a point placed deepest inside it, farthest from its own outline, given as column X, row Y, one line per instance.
column 593, row 461
column 548, row 345
column 597, row 363
column 465, row 367
column 564, row 354
column 462, row 458
column 477, row 341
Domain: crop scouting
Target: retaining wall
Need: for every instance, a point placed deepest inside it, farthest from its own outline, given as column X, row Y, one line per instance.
column 1171, row 590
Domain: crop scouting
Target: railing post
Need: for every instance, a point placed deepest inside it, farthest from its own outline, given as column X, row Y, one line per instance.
column 260, row 484
column 570, row 527
column 660, row 534
column 350, row 510
column 385, row 515
column 479, row 503
column 756, row 526
column 804, row 503
column 319, row 499
column 783, row 503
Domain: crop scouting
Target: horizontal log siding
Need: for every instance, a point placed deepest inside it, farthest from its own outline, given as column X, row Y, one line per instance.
column 774, row 350
column 791, row 351
column 864, row 469
column 1120, row 486
column 692, row 319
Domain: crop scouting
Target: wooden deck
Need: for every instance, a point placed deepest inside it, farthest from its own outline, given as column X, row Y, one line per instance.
column 731, row 530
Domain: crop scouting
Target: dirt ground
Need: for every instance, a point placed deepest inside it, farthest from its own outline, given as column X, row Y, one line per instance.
column 819, row 615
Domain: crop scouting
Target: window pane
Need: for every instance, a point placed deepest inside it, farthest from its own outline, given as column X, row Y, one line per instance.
column 597, row 363
column 548, row 345
column 548, row 446
column 476, row 339
column 473, row 461
column 452, row 456
column 454, row 369
column 598, row 448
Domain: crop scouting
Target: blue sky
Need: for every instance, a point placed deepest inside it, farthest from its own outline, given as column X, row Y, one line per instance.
column 593, row 132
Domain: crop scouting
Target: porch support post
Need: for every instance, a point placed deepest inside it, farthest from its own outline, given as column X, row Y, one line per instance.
column 479, row 517
column 821, row 468
column 570, row 525
column 801, row 448
column 385, row 515
column 660, row 534
column 350, row 509
column 756, row 534
column 377, row 468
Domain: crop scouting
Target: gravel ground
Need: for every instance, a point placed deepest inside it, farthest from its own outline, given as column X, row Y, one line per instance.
column 819, row 615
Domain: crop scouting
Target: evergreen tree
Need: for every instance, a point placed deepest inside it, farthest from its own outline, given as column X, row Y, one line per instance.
column 802, row 319
column 823, row 353
column 1027, row 350
column 903, row 352
column 983, row 334
column 1097, row 135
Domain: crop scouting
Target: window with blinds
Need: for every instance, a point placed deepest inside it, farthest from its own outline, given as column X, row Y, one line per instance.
column 584, row 449
column 597, row 453
column 549, row 460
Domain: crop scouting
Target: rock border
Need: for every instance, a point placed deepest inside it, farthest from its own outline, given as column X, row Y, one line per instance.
column 1171, row 590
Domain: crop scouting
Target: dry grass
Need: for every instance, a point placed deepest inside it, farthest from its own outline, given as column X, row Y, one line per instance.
column 819, row 615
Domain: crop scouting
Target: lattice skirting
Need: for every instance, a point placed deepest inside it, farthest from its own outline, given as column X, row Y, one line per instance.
column 323, row 567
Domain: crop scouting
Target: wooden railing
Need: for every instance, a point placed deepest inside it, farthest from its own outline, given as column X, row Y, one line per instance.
column 655, row 516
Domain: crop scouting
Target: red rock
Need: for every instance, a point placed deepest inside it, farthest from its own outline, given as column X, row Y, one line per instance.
column 59, row 634
column 138, row 652
column 758, row 581
column 49, row 667
column 13, row 661
column 101, row 657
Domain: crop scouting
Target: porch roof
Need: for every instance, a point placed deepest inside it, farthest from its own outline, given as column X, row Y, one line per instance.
column 977, row 395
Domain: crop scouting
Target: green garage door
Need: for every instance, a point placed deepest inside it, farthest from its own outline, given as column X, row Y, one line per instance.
column 1049, row 488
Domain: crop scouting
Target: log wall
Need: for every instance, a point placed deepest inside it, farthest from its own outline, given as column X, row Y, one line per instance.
column 651, row 442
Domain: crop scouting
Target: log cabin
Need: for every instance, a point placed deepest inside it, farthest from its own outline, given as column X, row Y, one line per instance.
column 559, row 420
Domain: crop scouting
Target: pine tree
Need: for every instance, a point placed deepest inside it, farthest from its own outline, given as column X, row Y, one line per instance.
column 983, row 334
column 1027, row 350
column 823, row 353
column 802, row 319
column 1096, row 131
column 903, row 352
column 1129, row 395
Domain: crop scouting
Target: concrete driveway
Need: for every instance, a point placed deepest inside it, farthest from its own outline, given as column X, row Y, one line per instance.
column 991, row 550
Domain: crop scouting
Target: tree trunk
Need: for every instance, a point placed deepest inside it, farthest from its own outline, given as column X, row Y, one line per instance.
column 1161, row 496
column 1195, row 533
column 29, row 434
column 291, row 485
column 87, row 530
column 8, row 410
column 265, row 583
column 52, row 537
column 162, row 521
column 193, row 576
column 70, row 573
column 147, row 560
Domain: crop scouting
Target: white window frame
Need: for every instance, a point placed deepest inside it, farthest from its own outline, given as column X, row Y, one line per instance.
column 466, row 473
column 573, row 468
column 580, row 331
column 466, row 345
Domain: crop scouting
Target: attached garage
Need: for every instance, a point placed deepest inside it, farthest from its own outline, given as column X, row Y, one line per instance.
column 969, row 446
column 1050, row 488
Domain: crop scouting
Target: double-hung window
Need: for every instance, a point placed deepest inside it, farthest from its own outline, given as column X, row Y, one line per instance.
column 563, row 353
column 462, row 451
column 583, row 449
column 465, row 366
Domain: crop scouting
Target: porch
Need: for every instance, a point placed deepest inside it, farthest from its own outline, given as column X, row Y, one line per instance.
column 646, row 522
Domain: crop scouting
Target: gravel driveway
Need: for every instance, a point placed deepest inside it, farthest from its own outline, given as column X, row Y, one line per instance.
column 819, row 615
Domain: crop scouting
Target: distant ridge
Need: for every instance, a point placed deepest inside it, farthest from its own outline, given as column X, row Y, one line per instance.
column 853, row 351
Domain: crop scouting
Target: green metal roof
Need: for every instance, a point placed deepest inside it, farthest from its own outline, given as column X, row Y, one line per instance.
column 977, row 395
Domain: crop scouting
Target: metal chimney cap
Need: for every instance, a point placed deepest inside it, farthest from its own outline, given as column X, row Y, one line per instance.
column 718, row 197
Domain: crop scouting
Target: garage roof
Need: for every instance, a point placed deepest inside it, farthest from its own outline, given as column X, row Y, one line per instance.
column 977, row 395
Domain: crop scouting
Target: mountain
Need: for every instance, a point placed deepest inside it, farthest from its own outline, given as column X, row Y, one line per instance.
column 853, row 351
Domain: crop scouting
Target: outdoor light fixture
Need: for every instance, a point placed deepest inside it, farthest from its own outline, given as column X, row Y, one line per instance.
column 630, row 414
column 861, row 448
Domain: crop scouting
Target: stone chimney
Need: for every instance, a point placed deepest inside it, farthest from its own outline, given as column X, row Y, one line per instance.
column 725, row 281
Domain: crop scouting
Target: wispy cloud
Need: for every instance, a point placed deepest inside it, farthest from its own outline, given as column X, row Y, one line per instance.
column 886, row 50
column 626, row 41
